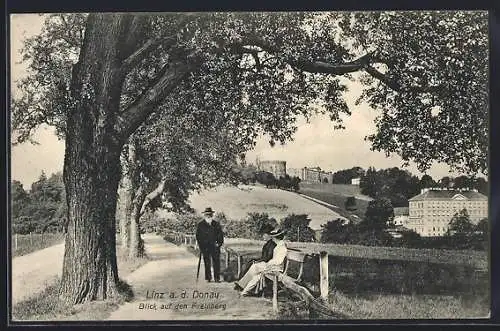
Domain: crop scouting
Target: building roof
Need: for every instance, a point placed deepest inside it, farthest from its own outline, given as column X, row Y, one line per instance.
column 401, row 211
column 449, row 195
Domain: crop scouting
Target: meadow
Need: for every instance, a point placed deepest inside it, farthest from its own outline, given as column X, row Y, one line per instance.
column 237, row 202
column 336, row 194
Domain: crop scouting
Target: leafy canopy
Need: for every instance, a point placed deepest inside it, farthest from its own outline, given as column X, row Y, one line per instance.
column 426, row 72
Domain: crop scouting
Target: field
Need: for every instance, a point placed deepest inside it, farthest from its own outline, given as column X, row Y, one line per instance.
column 399, row 283
column 336, row 194
column 27, row 243
column 237, row 202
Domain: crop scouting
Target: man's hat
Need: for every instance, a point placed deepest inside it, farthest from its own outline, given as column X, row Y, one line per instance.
column 208, row 211
column 276, row 232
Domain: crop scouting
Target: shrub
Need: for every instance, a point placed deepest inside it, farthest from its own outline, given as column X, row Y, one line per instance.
column 297, row 228
column 337, row 231
column 350, row 204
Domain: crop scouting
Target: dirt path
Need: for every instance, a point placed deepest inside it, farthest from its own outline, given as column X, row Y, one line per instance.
column 173, row 273
column 31, row 273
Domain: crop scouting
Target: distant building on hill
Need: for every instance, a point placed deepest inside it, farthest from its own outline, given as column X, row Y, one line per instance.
column 294, row 172
column 276, row 167
column 355, row 181
column 431, row 211
column 314, row 175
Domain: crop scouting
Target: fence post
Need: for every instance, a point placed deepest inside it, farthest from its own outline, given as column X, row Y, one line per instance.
column 185, row 240
column 15, row 241
column 323, row 274
column 31, row 238
column 227, row 258
column 239, row 265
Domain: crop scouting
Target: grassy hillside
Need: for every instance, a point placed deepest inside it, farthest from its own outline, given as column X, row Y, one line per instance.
column 237, row 202
column 337, row 189
column 336, row 195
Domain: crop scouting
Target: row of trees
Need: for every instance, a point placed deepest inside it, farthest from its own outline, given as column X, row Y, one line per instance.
column 283, row 182
column 345, row 176
column 42, row 208
column 296, row 226
column 395, row 184
column 99, row 78
column 460, row 182
column 400, row 185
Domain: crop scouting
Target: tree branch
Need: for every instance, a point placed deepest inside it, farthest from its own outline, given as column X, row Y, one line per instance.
column 156, row 192
column 151, row 44
column 383, row 78
column 139, row 110
column 362, row 63
column 398, row 87
column 140, row 54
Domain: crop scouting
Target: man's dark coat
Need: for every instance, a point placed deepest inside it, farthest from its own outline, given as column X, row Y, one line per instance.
column 210, row 237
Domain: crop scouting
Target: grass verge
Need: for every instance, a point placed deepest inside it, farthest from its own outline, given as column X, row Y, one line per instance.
column 383, row 306
column 47, row 306
column 30, row 243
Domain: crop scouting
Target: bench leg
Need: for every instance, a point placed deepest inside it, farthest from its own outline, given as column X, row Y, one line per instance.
column 275, row 294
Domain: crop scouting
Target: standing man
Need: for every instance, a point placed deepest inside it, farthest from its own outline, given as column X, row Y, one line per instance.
column 210, row 237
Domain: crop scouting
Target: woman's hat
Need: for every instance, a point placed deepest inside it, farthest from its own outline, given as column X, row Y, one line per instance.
column 268, row 226
column 208, row 211
column 276, row 232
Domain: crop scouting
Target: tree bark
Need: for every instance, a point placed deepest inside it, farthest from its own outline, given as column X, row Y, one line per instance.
column 124, row 204
column 95, row 133
column 135, row 249
column 92, row 164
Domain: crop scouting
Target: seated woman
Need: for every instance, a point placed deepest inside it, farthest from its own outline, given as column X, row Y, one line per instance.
column 267, row 249
column 254, row 277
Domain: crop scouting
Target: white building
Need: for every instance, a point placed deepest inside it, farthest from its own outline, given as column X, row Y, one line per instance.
column 431, row 211
column 401, row 216
column 355, row 181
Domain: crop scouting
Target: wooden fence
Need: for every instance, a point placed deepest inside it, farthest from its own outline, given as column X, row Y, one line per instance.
column 319, row 305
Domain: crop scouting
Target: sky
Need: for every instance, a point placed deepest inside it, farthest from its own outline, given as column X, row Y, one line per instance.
column 315, row 143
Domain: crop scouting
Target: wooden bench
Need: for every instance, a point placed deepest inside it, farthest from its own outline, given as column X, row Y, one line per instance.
column 296, row 256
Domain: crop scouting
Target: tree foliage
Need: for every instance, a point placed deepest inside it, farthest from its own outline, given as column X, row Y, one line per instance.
column 297, row 228
column 42, row 209
column 337, row 231
column 392, row 183
column 427, row 182
column 345, row 176
column 378, row 214
column 433, row 95
column 425, row 71
column 350, row 204
column 460, row 224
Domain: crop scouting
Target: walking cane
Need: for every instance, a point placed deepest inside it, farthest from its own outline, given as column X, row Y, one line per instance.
column 198, row 271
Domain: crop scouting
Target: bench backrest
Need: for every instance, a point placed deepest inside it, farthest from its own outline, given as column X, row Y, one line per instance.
column 297, row 257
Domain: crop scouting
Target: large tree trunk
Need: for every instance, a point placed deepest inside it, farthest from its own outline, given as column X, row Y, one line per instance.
column 92, row 164
column 95, row 133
